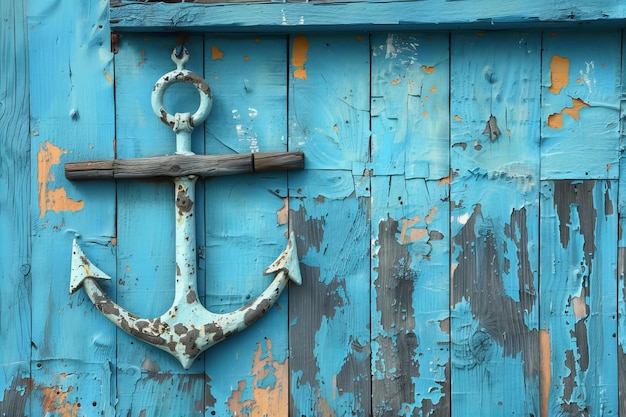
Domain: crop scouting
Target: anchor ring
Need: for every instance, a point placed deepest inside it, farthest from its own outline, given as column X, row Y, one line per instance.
column 180, row 74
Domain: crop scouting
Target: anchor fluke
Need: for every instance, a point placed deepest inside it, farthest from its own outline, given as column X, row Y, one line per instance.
column 287, row 261
column 82, row 268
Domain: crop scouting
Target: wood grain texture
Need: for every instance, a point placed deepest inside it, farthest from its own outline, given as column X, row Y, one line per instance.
column 182, row 165
column 328, row 120
column 578, row 277
column 494, row 112
column 15, row 246
column 388, row 15
column 71, row 102
column 580, row 105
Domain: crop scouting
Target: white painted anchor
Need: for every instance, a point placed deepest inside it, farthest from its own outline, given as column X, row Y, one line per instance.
column 187, row 328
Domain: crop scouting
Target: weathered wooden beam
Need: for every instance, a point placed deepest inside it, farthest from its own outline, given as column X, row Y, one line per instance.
column 181, row 165
column 354, row 15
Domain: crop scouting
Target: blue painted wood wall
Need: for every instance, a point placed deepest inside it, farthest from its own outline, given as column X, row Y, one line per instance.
column 459, row 221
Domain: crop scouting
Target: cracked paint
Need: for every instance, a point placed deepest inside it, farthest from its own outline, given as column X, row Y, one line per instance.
column 54, row 199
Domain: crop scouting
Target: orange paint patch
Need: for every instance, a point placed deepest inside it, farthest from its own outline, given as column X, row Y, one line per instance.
column 559, row 73
column 457, row 118
column 54, row 401
column 580, row 306
column 257, row 40
column 216, row 53
column 298, row 56
column 555, row 120
column 410, row 234
column 54, row 199
column 445, row 180
column 282, row 215
column 545, row 373
column 432, row 90
column 479, row 34
column 336, row 128
column 359, row 38
column 428, row 70
column 395, row 82
column 429, row 217
column 143, row 58
column 425, row 114
column 246, row 58
column 108, row 77
column 267, row 399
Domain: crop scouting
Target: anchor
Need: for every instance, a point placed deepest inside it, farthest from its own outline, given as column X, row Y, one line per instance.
column 187, row 328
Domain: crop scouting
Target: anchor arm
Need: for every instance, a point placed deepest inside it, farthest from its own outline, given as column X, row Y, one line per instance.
column 86, row 275
column 286, row 268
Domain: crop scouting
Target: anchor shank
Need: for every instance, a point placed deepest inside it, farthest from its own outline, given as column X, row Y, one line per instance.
column 185, row 289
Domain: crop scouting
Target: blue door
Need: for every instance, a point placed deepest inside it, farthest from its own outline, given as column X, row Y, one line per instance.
column 457, row 221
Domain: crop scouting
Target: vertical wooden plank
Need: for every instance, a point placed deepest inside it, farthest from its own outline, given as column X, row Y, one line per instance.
column 329, row 313
column 246, row 223
column 578, row 293
column 410, row 212
column 494, row 221
column 15, row 278
column 580, row 104
column 150, row 381
column 71, row 101
column 580, row 122
column 621, row 260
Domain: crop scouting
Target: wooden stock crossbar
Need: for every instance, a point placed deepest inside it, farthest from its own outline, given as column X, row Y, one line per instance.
column 181, row 165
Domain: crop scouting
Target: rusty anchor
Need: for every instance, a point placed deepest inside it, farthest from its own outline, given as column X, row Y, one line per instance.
column 187, row 328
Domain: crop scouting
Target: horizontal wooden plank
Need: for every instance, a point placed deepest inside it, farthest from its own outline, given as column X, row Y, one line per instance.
column 181, row 165
column 430, row 14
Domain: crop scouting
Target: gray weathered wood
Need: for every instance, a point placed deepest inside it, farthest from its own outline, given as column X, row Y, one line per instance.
column 180, row 165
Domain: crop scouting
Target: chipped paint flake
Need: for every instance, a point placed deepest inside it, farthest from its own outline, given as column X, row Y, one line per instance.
column 427, row 69
column 54, row 199
column 282, row 215
column 54, row 402
column 408, row 233
column 299, row 56
column 559, row 73
column 270, row 387
column 216, row 53
column 555, row 120
column 108, row 77
column 545, row 375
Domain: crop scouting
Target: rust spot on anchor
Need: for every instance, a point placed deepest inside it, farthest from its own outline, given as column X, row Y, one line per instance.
column 254, row 314
column 183, row 202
